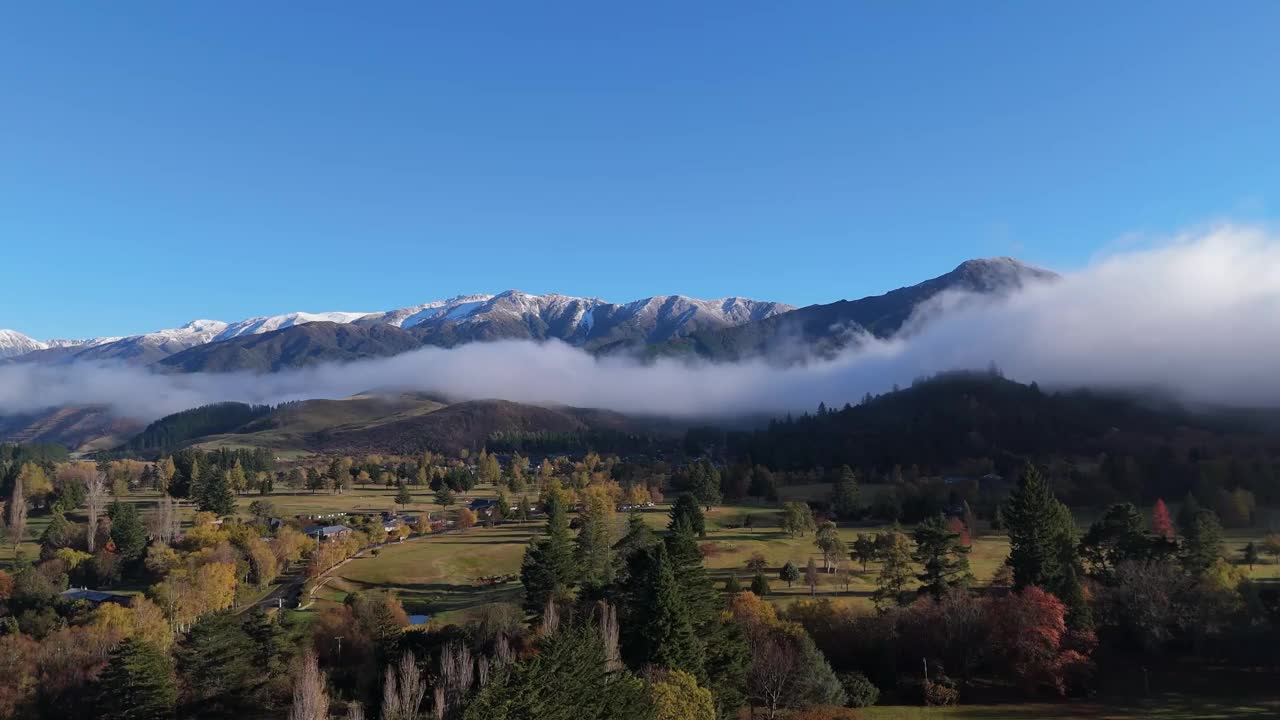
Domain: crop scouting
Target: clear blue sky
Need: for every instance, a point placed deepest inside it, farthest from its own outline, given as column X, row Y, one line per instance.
column 166, row 161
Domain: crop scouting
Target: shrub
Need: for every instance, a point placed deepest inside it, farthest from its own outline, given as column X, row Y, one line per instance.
column 940, row 693
column 861, row 691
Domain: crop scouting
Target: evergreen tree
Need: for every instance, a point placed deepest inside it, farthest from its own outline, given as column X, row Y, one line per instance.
column 760, row 585
column 1115, row 537
column 1187, row 513
column 705, row 484
column 127, row 531
column 403, row 496
column 639, row 537
column 271, row 646
column 686, row 561
column 136, row 684
column 215, row 665
column 944, row 559
column 1041, row 534
column 568, row 678
column 445, row 496
column 215, row 494
column 548, row 571
column 732, row 586
column 1203, row 544
column 659, row 626
column 789, row 573
column 1079, row 614
column 1250, row 554
column 845, row 496
column 687, row 507
column 763, row 484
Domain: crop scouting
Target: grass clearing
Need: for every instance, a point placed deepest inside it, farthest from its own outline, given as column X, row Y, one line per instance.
column 440, row 575
column 1167, row 707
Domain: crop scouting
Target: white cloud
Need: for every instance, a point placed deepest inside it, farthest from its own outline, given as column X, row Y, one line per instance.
column 1198, row 315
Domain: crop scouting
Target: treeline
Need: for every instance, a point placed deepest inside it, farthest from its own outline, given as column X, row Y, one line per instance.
column 172, row 431
column 43, row 453
column 1097, row 448
column 577, row 443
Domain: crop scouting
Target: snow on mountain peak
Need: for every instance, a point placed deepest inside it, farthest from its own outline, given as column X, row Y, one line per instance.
column 14, row 343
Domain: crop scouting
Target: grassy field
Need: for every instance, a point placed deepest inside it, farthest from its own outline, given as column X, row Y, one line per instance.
column 440, row 575
column 1170, row 707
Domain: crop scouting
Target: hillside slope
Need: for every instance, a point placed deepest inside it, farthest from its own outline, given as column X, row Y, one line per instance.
column 825, row 329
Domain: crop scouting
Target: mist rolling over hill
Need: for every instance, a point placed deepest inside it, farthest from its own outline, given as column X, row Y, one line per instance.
column 1210, row 342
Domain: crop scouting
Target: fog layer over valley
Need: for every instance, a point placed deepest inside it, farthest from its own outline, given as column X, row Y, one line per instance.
column 1197, row 315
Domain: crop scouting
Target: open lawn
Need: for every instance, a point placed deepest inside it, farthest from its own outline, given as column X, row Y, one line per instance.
column 440, row 575
column 1170, row 707
column 437, row 575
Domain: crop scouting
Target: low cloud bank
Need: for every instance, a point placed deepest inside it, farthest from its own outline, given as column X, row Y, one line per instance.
column 1197, row 316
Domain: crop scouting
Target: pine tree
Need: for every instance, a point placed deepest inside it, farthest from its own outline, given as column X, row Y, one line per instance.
column 687, row 507
column 732, row 586
column 548, row 571
column 1041, row 534
column 844, row 496
column 1187, row 513
column 1203, row 544
column 214, row 661
column 136, row 684
column 1079, row 614
column 270, row 642
column 686, row 562
column 215, row 494
column 789, row 573
column 445, row 496
column 659, row 623
column 760, row 585
column 127, row 531
column 403, row 496
column 639, row 537
column 705, row 484
column 944, row 559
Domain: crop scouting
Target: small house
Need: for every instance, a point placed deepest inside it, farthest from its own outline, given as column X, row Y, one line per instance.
column 95, row 597
column 328, row 532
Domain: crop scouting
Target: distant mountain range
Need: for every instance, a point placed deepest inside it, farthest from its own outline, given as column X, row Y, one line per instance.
column 726, row 329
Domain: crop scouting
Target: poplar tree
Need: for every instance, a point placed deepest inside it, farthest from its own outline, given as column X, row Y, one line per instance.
column 895, row 570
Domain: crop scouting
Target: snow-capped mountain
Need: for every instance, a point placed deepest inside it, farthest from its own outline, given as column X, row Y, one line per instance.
column 513, row 314
column 724, row 329
column 14, row 343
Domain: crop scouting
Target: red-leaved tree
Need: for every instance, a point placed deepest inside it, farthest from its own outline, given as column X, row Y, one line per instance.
column 957, row 526
column 1029, row 641
column 1161, row 523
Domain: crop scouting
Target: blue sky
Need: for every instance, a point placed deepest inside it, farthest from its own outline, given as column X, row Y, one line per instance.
column 167, row 161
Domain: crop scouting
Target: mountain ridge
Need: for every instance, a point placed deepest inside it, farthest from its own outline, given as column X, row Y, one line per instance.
column 722, row 329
